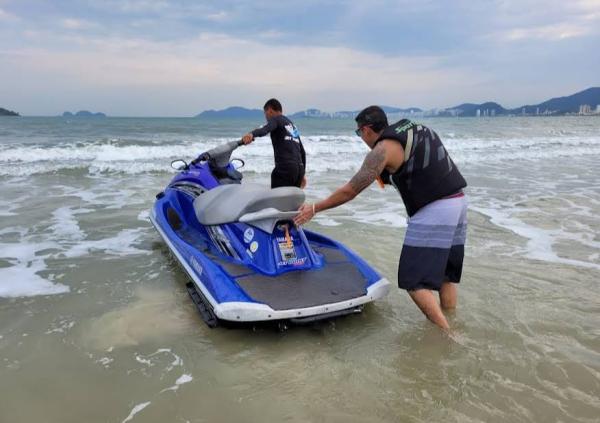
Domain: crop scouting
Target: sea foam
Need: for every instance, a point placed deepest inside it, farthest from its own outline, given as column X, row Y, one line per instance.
column 325, row 153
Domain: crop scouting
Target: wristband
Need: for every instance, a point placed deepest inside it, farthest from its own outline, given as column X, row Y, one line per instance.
column 314, row 212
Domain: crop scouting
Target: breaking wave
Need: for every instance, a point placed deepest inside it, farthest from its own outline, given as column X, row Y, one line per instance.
column 325, row 153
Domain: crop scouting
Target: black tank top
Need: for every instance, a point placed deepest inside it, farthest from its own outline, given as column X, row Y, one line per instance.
column 428, row 173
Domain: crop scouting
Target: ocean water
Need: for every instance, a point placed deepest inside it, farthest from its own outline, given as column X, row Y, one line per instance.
column 96, row 324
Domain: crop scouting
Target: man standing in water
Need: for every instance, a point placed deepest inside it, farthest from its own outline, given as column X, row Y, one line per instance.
column 412, row 158
column 290, row 158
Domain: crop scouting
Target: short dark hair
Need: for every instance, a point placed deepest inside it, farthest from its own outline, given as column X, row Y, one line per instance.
column 274, row 104
column 373, row 116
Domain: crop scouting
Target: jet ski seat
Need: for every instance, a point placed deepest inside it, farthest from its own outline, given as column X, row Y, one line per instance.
column 251, row 203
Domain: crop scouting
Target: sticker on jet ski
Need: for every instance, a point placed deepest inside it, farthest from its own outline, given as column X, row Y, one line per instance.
column 196, row 266
column 248, row 235
column 287, row 250
column 293, row 262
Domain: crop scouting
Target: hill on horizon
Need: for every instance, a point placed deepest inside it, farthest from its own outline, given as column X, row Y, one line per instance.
column 238, row 112
column 554, row 106
column 234, row 112
column 567, row 104
column 6, row 112
column 470, row 109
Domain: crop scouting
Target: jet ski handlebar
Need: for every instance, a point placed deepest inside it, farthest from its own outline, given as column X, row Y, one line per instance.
column 220, row 154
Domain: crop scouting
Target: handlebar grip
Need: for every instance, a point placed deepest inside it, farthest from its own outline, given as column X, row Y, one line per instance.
column 202, row 157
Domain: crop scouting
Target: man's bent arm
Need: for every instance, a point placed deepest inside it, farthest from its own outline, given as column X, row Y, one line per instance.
column 266, row 129
column 372, row 166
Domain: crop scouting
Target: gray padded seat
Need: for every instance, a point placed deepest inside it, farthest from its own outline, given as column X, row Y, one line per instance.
column 227, row 203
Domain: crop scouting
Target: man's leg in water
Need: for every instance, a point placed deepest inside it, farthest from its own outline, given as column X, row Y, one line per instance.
column 448, row 295
column 454, row 266
column 432, row 255
column 428, row 303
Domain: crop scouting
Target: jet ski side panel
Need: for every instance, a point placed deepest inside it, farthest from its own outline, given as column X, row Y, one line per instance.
column 216, row 285
column 229, row 302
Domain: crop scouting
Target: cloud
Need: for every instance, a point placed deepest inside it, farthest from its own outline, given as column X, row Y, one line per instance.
column 219, row 58
column 76, row 24
column 7, row 17
column 555, row 21
column 222, row 66
column 548, row 32
column 238, row 51
column 135, row 6
column 218, row 16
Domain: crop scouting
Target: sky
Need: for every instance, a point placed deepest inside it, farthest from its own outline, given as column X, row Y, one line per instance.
column 178, row 58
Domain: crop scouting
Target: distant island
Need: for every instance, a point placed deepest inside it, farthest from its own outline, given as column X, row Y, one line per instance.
column 586, row 102
column 83, row 113
column 5, row 112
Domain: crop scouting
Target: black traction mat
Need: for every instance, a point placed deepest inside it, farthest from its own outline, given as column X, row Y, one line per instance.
column 336, row 281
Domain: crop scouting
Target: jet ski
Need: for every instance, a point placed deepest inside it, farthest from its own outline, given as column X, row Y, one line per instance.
column 245, row 258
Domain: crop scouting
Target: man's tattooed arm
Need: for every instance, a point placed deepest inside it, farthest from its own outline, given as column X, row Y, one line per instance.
column 371, row 168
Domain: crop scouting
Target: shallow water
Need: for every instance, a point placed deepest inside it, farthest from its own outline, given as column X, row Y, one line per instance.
column 96, row 324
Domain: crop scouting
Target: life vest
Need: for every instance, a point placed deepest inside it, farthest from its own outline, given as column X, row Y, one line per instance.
column 428, row 173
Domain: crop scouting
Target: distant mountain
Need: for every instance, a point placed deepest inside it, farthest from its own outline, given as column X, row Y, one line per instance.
column 349, row 114
column 562, row 105
column 237, row 112
column 234, row 112
column 5, row 112
column 83, row 113
column 470, row 109
column 318, row 114
column 555, row 106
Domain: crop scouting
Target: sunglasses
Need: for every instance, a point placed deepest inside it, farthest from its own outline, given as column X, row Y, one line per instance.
column 360, row 129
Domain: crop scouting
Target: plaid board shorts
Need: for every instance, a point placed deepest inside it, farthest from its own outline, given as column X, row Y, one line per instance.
column 434, row 246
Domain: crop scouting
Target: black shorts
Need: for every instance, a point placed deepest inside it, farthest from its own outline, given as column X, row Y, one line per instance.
column 287, row 175
column 434, row 246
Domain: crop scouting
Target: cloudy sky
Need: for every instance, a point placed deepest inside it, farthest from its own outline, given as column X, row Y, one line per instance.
column 177, row 58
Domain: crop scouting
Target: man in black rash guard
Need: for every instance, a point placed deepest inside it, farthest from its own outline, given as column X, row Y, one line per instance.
column 290, row 158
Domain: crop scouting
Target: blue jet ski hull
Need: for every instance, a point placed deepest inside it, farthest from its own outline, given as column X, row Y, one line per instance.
column 244, row 271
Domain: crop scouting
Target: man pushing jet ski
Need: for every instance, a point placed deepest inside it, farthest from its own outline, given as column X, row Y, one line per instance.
column 412, row 158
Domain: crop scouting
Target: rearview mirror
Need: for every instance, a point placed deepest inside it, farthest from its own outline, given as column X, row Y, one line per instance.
column 179, row 164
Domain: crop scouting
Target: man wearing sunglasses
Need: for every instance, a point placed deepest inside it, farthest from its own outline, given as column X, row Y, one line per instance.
column 412, row 158
column 290, row 158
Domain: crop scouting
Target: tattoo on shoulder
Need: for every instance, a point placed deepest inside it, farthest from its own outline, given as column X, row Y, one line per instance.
column 370, row 169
